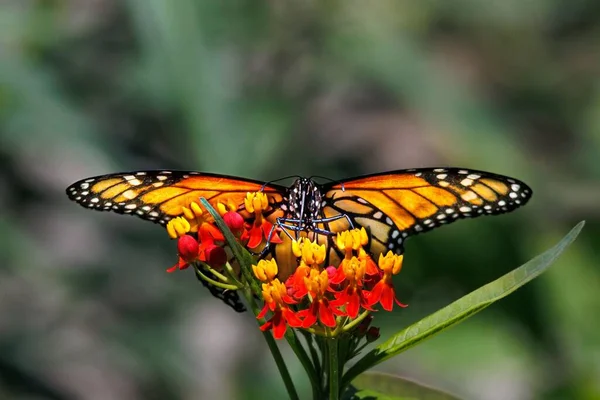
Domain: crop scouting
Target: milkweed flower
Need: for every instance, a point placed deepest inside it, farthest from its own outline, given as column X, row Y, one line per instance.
column 188, row 250
column 384, row 292
column 317, row 285
column 277, row 300
column 258, row 203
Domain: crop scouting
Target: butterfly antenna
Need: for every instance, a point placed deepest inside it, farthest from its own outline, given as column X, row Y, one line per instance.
column 329, row 179
column 277, row 180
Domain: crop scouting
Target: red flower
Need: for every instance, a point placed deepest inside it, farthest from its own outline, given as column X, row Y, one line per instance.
column 257, row 203
column 277, row 300
column 261, row 228
column 235, row 222
column 282, row 317
column 317, row 285
column 384, row 292
column 353, row 297
column 188, row 250
column 319, row 309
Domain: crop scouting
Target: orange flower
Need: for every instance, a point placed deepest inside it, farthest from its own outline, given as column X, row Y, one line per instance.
column 384, row 292
column 265, row 270
column 317, row 285
column 257, row 203
column 277, row 300
column 351, row 273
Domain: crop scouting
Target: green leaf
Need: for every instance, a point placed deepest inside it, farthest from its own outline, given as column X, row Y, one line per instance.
column 462, row 308
column 385, row 386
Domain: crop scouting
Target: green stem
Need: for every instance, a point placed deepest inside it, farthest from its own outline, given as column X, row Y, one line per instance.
column 334, row 369
column 310, row 343
column 215, row 283
column 283, row 371
column 285, row 374
column 296, row 346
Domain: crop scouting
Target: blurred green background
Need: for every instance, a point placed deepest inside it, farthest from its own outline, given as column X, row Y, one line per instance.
column 268, row 89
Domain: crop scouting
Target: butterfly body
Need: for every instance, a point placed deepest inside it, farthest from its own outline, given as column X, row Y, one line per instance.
column 392, row 206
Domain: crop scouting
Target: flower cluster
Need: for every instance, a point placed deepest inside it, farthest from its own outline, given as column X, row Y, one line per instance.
column 328, row 300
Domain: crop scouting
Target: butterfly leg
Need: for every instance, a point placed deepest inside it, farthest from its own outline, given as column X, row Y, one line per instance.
column 284, row 224
column 331, row 219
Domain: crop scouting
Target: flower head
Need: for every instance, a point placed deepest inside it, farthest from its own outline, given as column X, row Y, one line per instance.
column 317, row 286
column 265, row 270
column 384, row 292
column 310, row 252
column 178, row 227
column 277, row 300
column 188, row 250
column 261, row 228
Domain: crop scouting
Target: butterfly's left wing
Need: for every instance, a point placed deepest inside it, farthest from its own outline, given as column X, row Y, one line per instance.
column 395, row 205
column 159, row 196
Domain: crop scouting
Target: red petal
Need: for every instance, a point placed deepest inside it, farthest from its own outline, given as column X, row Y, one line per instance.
column 279, row 326
column 311, row 318
column 353, row 305
column 371, row 267
column 262, row 312
column 338, row 277
column 400, row 304
column 208, row 233
column 291, row 318
column 173, row 268
column 325, row 314
column 266, row 326
column 255, row 238
column 375, row 294
column 387, row 298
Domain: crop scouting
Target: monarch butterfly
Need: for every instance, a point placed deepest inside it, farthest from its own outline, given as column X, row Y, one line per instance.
column 390, row 205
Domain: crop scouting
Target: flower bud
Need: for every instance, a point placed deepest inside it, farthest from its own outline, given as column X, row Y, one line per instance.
column 188, row 248
column 234, row 222
column 216, row 256
column 372, row 334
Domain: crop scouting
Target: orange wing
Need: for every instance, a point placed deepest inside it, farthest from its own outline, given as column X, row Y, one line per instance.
column 395, row 205
column 159, row 196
